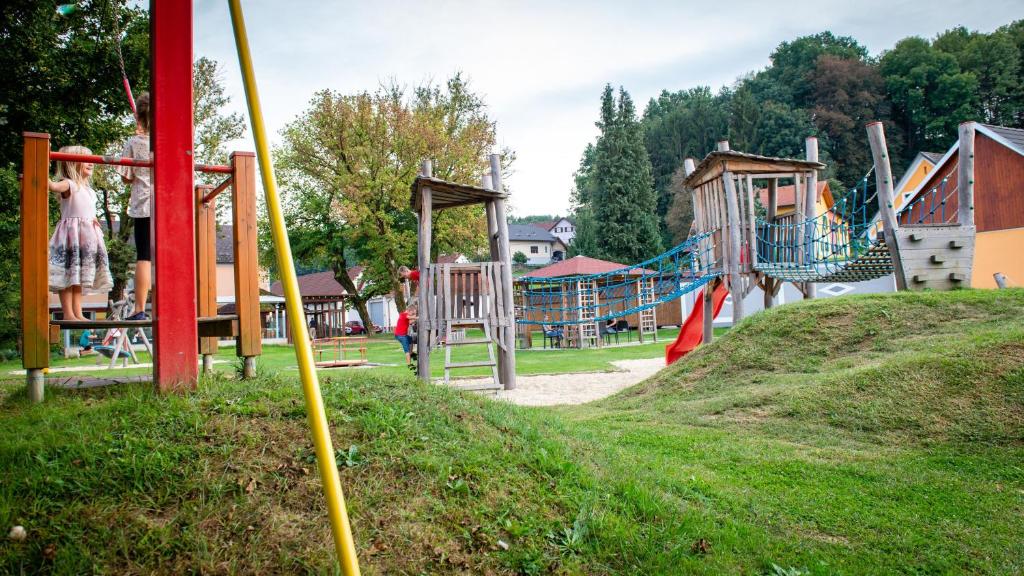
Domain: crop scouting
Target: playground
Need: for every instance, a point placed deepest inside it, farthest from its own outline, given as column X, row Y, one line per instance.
column 548, row 423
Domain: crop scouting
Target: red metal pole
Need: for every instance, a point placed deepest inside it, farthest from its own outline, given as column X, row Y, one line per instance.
column 174, row 262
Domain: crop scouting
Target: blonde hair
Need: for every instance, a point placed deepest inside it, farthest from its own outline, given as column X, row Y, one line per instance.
column 72, row 170
column 402, row 270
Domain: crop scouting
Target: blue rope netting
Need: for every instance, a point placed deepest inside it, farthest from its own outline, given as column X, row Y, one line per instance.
column 600, row 297
column 841, row 244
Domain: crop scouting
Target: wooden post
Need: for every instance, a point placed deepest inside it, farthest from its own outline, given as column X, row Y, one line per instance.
column 423, row 262
column 175, row 363
column 722, row 146
column 688, row 167
column 883, row 182
column 1000, row 279
column 811, row 211
column 249, row 343
column 35, row 229
column 206, row 270
column 492, row 223
column 733, row 216
column 751, row 223
column 506, row 353
column 965, row 176
column 709, row 311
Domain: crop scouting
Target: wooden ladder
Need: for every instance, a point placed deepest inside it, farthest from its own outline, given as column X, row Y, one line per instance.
column 648, row 319
column 451, row 340
column 586, row 302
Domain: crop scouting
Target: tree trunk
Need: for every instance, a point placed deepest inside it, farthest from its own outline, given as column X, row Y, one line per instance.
column 341, row 275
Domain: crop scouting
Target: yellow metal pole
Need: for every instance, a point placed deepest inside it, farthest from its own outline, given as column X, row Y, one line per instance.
column 343, row 542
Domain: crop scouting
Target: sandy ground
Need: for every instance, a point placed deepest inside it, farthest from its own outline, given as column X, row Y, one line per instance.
column 556, row 389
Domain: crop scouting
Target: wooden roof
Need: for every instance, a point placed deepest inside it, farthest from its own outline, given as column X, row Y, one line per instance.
column 715, row 163
column 449, row 194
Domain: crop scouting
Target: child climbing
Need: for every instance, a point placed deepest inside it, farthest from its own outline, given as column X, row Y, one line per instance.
column 402, row 332
column 78, row 255
column 140, row 204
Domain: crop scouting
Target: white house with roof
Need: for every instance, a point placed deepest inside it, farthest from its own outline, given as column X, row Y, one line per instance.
column 538, row 245
column 563, row 229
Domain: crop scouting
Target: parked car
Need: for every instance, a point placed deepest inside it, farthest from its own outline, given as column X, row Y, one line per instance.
column 354, row 327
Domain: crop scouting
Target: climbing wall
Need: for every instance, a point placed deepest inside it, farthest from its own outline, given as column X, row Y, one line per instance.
column 936, row 256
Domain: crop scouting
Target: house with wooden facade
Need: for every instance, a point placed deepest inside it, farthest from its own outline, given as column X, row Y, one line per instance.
column 998, row 201
column 922, row 165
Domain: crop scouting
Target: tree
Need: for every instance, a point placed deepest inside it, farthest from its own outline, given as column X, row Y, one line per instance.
column 994, row 60
column 929, row 94
column 61, row 76
column 519, row 259
column 346, row 167
column 679, row 218
column 616, row 187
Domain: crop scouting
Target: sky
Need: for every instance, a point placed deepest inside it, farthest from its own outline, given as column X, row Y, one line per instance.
column 541, row 66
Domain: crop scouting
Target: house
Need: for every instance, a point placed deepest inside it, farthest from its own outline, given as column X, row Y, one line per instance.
column 786, row 198
column 922, row 165
column 325, row 299
column 452, row 259
column 998, row 201
column 539, row 245
column 563, row 229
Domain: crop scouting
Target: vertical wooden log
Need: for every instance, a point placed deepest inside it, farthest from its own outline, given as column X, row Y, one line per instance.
column 773, row 199
column 709, row 310
column 722, row 146
column 735, row 279
column 206, row 270
column 249, row 344
column 423, row 260
column 175, row 365
column 751, row 223
column 507, row 353
column 35, row 228
column 811, row 210
column 688, row 167
column 884, row 185
column 965, row 176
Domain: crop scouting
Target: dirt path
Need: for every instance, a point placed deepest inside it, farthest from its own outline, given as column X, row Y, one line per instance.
column 554, row 389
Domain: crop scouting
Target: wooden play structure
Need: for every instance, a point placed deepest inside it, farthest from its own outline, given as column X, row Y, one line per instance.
column 456, row 297
column 174, row 260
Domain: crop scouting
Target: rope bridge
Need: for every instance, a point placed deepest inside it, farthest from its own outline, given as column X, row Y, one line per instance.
column 842, row 244
column 592, row 298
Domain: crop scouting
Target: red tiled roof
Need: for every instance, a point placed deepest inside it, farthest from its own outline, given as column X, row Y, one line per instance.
column 547, row 224
column 319, row 284
column 581, row 265
column 787, row 194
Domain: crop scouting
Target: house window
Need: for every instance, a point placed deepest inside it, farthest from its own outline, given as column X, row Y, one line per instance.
column 545, row 249
column 534, row 250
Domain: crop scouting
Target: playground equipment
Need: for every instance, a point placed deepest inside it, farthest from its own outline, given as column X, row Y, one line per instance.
column 691, row 334
column 181, row 214
column 739, row 245
column 39, row 330
column 454, row 297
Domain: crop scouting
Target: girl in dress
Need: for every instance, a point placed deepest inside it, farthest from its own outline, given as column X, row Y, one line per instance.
column 78, row 255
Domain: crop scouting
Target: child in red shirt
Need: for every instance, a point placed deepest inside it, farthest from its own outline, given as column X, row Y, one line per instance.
column 402, row 332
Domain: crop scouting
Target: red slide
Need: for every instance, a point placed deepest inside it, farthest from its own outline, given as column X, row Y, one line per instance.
column 692, row 332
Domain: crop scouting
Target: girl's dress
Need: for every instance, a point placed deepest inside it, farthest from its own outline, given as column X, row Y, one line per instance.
column 78, row 255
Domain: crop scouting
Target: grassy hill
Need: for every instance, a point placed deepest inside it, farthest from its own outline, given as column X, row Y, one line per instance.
column 866, row 435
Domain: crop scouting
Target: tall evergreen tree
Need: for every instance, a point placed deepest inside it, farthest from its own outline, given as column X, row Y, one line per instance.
column 617, row 193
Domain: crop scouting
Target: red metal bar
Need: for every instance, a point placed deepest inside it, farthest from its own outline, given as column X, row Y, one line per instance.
column 220, row 188
column 174, row 301
column 117, row 161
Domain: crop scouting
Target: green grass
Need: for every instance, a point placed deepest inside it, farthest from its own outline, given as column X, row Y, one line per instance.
column 385, row 350
column 864, row 435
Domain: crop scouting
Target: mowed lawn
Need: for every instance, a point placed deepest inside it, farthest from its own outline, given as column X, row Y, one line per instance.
column 862, row 435
column 385, row 354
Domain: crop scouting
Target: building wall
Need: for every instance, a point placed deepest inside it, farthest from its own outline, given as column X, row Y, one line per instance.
column 564, row 231
column 998, row 182
column 923, row 169
column 543, row 255
column 998, row 251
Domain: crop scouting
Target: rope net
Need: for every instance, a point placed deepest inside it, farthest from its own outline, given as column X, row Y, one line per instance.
column 570, row 300
column 843, row 243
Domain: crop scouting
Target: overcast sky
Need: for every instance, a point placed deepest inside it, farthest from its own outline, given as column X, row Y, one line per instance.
column 540, row 66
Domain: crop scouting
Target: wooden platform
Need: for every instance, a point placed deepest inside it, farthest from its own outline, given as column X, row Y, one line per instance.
column 225, row 325
column 84, row 382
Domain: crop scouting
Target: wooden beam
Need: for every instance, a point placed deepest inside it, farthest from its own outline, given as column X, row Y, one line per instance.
column 206, row 265
column 811, row 210
column 35, row 227
column 506, row 328
column 884, row 185
column 733, row 264
column 249, row 343
column 965, row 176
column 174, row 302
column 423, row 260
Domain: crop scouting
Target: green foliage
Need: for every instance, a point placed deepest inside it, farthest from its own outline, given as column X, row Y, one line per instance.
column 616, row 188
column 519, row 258
column 533, row 219
column 10, row 271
